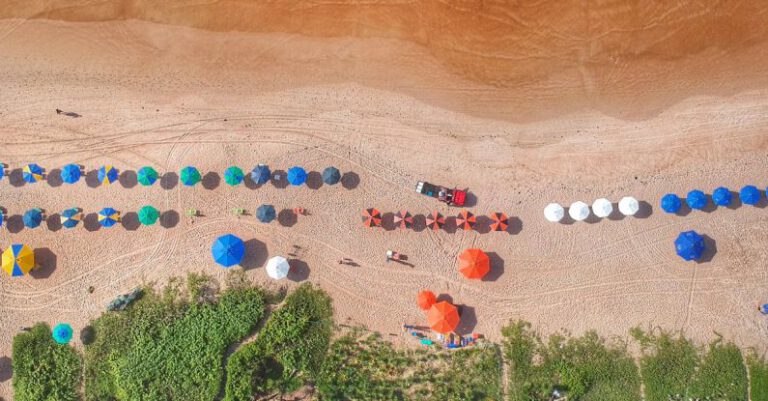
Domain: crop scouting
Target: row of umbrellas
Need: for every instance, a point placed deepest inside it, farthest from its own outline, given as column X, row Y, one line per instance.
column 721, row 196
column 465, row 220
column 189, row 176
column 229, row 250
column 601, row 207
column 442, row 317
column 70, row 218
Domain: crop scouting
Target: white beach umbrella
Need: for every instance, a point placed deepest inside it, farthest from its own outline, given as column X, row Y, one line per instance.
column 278, row 268
column 554, row 212
column 628, row 206
column 578, row 211
column 602, row 207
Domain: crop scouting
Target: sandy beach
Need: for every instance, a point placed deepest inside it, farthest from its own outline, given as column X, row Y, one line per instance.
column 603, row 101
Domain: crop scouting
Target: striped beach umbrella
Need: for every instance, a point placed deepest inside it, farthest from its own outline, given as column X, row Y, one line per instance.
column 371, row 217
column 266, row 213
column 331, row 175
column 32, row 218
column 71, row 173
column 500, row 221
column 146, row 176
column 722, row 196
column 32, row 173
column 18, row 260
column 234, row 175
column 70, row 218
column 108, row 217
column 403, row 219
column 435, row 220
column 466, row 220
column 260, row 174
column 228, row 250
column 189, row 176
column 297, row 176
column 108, row 174
column 62, row 333
column 148, row 215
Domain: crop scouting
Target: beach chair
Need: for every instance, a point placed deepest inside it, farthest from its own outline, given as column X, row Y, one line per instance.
column 192, row 213
column 238, row 212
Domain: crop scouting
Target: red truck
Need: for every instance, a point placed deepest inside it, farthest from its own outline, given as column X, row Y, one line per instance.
column 453, row 197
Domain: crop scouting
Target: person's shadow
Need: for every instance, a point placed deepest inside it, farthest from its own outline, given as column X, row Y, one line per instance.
column 255, row 254
column 46, row 263
column 350, row 180
column 299, row 270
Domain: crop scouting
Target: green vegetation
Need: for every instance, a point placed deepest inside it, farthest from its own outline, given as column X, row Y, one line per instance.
column 169, row 345
column 583, row 368
column 42, row 369
column 758, row 377
column 289, row 350
column 721, row 374
column 372, row 370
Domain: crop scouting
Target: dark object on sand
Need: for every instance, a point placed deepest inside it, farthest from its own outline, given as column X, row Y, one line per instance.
column 68, row 113
column 122, row 301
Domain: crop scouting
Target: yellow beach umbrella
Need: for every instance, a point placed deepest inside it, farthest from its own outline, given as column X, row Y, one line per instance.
column 18, row 260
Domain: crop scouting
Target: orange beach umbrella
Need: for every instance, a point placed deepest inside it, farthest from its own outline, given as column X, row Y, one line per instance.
column 371, row 217
column 403, row 219
column 443, row 317
column 465, row 220
column 474, row 264
column 435, row 220
column 500, row 221
column 426, row 299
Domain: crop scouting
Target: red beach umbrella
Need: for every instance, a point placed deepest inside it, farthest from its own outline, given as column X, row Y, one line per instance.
column 371, row 218
column 426, row 299
column 435, row 221
column 443, row 317
column 500, row 221
column 465, row 220
column 474, row 264
column 403, row 219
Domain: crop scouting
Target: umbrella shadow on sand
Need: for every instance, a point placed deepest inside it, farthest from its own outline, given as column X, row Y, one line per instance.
column 388, row 221
column 287, row 218
column 280, row 179
column 169, row 219
column 497, row 267
column 46, row 262
column 53, row 222
column 711, row 250
column 169, row 180
column 299, row 270
column 468, row 320
column 91, row 222
column 211, row 180
column 350, row 180
column 130, row 221
column 314, row 180
column 54, row 178
column 255, row 254
column 15, row 224
column 128, row 179
column 16, row 178
column 6, row 369
column 92, row 179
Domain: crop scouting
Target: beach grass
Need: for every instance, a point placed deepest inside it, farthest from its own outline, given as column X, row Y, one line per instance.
column 721, row 374
column 758, row 376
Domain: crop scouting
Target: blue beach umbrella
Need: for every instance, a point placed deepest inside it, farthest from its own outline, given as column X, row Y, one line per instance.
column 696, row 199
column 228, row 250
column 146, row 176
column 297, row 175
column 189, row 176
column 2, row 218
column 689, row 245
column 32, row 173
column 722, row 196
column 671, row 203
column 266, row 213
column 70, row 218
column 62, row 333
column 261, row 174
column 108, row 174
column 331, row 175
column 749, row 195
column 33, row 217
column 108, row 217
column 2, row 171
column 70, row 173
column 233, row 175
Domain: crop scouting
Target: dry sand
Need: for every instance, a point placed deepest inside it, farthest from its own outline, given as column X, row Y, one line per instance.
column 522, row 104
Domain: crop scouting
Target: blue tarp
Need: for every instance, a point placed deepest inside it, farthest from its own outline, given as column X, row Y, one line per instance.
column 671, row 203
column 228, row 250
column 696, row 199
column 331, row 175
column 32, row 218
column 689, row 245
column 70, row 173
column 722, row 196
column 749, row 195
column 297, row 175
column 261, row 174
column 266, row 213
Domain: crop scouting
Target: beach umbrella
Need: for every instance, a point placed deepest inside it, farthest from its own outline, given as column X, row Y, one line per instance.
column 278, row 268
column 70, row 173
column 474, row 264
column 234, row 175
column 331, row 175
column 689, row 245
column 466, row 220
column 578, row 211
column 62, row 333
column 500, row 221
column 403, row 219
column 671, row 203
column 18, row 260
column 749, row 195
column 32, row 218
column 426, row 299
column 763, row 309
column 2, row 218
column 371, row 217
column 70, row 218
column 266, row 213
column 602, row 207
column 32, row 173
column 148, row 215
column 554, row 212
column 628, row 206
column 228, row 250
column 108, row 174
column 147, row 176
column 2, row 171
column 261, row 174
column 189, row 176
column 435, row 220
column 443, row 317
column 108, row 217
column 296, row 175
column 722, row 196
column 696, row 199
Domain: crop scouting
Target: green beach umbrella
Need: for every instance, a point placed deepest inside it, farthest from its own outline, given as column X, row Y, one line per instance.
column 148, row 215
column 189, row 176
column 147, row 176
column 234, row 175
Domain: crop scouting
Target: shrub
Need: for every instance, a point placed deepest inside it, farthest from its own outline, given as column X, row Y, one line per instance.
column 667, row 366
column 758, row 377
column 721, row 374
column 44, row 370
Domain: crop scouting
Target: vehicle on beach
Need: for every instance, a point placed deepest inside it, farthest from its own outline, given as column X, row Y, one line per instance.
column 452, row 197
